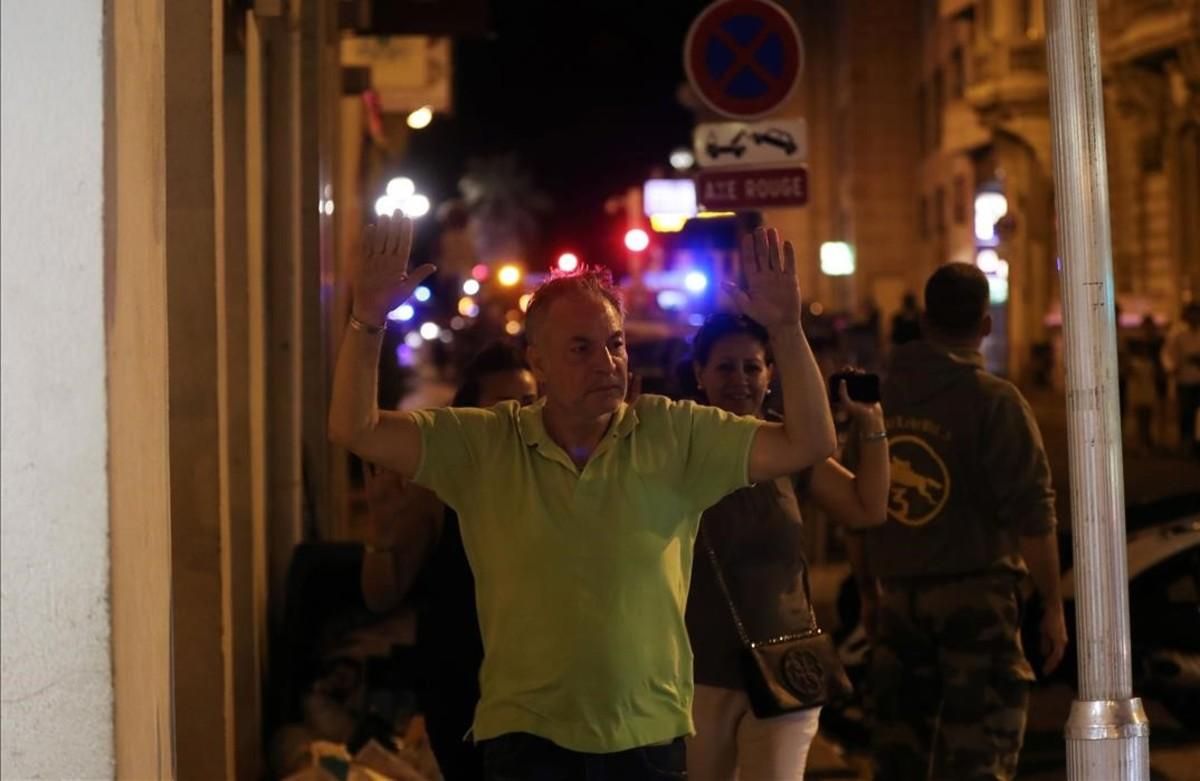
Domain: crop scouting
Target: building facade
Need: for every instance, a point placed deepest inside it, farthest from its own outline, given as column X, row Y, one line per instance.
column 930, row 143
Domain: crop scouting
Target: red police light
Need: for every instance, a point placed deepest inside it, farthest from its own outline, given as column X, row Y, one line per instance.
column 637, row 240
column 568, row 262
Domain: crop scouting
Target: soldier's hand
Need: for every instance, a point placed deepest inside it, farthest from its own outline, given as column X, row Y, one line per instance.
column 1054, row 638
column 383, row 280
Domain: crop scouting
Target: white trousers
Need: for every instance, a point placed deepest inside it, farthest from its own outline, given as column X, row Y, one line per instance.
column 730, row 743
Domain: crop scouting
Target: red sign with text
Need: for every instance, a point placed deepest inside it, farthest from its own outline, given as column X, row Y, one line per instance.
column 757, row 188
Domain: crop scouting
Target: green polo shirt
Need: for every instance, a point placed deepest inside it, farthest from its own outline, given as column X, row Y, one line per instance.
column 581, row 576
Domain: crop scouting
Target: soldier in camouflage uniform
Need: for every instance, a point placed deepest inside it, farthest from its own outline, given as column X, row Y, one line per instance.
column 970, row 513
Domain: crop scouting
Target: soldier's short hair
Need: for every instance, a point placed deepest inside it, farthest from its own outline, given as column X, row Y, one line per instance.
column 956, row 300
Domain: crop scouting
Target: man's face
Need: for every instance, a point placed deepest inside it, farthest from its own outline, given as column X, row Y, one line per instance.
column 579, row 355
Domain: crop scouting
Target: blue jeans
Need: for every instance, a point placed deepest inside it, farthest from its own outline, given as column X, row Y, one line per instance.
column 519, row 756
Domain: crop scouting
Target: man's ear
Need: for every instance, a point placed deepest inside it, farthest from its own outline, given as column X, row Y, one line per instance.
column 536, row 362
column 985, row 327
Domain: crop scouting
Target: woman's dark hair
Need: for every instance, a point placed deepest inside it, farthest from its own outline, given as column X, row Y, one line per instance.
column 499, row 356
column 721, row 325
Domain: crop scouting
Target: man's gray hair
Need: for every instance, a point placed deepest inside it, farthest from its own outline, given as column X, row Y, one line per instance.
column 588, row 281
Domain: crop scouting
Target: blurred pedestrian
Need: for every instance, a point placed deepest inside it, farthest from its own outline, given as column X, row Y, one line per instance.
column 1182, row 359
column 971, row 512
column 1146, row 385
column 578, row 513
column 750, row 542
column 862, row 337
column 414, row 547
column 906, row 324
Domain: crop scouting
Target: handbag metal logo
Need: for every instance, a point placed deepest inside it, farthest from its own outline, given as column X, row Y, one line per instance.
column 802, row 673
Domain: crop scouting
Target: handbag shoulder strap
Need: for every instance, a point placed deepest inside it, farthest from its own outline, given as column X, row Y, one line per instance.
column 737, row 618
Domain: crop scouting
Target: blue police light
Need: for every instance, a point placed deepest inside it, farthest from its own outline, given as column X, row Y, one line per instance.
column 695, row 282
column 422, row 294
column 403, row 313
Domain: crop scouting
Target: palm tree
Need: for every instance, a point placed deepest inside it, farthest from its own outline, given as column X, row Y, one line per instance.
column 505, row 208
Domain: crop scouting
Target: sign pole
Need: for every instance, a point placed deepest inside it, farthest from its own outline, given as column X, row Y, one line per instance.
column 1107, row 733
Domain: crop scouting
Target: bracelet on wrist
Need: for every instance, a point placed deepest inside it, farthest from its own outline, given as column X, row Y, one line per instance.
column 875, row 436
column 367, row 328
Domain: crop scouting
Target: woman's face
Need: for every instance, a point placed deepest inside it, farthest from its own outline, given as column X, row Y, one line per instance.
column 516, row 385
column 736, row 376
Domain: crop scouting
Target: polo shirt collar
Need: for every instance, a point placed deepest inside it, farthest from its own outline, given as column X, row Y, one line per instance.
column 533, row 427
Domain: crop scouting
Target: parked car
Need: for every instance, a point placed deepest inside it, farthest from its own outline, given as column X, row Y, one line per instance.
column 1164, row 617
column 1164, row 607
column 777, row 138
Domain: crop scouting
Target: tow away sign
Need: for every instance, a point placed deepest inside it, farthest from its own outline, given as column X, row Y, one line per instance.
column 781, row 142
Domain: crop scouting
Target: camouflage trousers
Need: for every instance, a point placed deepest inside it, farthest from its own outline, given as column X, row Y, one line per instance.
column 949, row 682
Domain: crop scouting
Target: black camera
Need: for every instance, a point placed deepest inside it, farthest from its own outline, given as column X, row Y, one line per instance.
column 861, row 386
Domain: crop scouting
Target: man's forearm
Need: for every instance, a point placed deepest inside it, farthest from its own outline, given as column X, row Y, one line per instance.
column 808, row 422
column 1041, row 556
column 353, row 405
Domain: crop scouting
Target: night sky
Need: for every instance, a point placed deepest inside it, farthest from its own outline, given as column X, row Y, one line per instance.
column 584, row 92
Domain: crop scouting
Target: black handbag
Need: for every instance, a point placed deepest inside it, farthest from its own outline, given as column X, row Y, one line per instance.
column 787, row 673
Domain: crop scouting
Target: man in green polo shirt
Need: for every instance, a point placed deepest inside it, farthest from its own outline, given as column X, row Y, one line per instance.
column 579, row 513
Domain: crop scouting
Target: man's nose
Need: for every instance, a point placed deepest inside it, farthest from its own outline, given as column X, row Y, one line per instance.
column 607, row 359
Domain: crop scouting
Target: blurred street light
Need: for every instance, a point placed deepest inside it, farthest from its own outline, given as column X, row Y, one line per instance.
column 401, row 188
column 695, row 281
column 989, row 207
column 401, row 195
column 509, row 275
column 467, row 307
column 403, row 313
column 671, row 299
column 636, row 240
column 420, row 119
column 568, row 262
column 524, row 302
column 422, row 294
column 512, row 328
column 837, row 259
column 471, row 287
column 668, row 223
column 385, row 206
column 682, row 159
column 430, row 331
column 417, row 206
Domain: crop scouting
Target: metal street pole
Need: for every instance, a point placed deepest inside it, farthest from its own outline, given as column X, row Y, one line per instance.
column 1107, row 733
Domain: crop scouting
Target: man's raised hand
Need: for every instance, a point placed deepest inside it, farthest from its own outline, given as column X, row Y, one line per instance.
column 384, row 280
column 772, row 292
